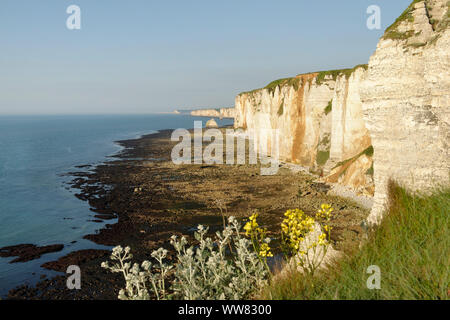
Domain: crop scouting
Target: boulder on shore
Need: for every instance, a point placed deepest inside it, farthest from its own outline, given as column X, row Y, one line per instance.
column 211, row 124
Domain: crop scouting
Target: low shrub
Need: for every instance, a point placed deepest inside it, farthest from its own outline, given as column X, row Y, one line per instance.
column 207, row 271
column 229, row 267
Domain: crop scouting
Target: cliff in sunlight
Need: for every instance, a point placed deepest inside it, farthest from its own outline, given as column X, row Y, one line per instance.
column 320, row 123
column 362, row 127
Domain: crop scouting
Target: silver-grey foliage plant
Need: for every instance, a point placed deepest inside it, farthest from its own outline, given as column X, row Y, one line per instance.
column 220, row 269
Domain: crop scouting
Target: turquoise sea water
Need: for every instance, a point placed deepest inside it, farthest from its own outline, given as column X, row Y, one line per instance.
column 36, row 205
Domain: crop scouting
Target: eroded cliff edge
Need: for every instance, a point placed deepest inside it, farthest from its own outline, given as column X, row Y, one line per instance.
column 405, row 99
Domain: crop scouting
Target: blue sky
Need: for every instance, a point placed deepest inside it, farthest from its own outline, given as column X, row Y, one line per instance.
column 144, row 56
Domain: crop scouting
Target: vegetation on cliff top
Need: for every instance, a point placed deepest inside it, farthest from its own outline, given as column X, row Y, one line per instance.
column 407, row 16
column 334, row 74
column 295, row 81
column 392, row 32
column 292, row 82
column 411, row 247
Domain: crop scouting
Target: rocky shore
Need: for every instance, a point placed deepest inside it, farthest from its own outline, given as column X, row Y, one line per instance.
column 153, row 199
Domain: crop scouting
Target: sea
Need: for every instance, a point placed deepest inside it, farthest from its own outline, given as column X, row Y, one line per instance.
column 37, row 205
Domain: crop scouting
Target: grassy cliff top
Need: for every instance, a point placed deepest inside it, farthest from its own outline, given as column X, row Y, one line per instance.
column 336, row 73
column 295, row 81
column 438, row 23
column 392, row 33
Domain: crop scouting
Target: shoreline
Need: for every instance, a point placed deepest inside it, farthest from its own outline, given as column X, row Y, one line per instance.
column 154, row 199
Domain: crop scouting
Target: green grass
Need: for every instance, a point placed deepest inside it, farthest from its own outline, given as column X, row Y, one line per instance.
column 392, row 33
column 277, row 83
column 329, row 107
column 293, row 82
column 281, row 108
column 370, row 171
column 411, row 247
column 322, row 157
column 325, row 140
column 368, row 152
column 395, row 35
column 333, row 73
column 336, row 73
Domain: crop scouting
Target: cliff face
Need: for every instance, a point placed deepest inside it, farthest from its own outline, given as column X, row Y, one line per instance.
column 319, row 121
column 215, row 113
column 351, row 146
column 227, row 112
column 405, row 97
column 367, row 125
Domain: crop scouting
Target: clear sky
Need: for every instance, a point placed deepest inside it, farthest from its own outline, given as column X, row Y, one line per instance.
column 143, row 56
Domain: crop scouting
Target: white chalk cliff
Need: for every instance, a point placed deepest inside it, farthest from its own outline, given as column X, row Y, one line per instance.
column 216, row 113
column 364, row 126
column 406, row 97
column 319, row 121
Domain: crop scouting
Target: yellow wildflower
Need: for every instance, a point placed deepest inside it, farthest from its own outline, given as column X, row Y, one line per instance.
column 264, row 251
column 322, row 239
column 324, row 212
column 251, row 227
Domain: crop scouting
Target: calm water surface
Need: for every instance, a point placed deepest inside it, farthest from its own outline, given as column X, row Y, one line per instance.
column 36, row 205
